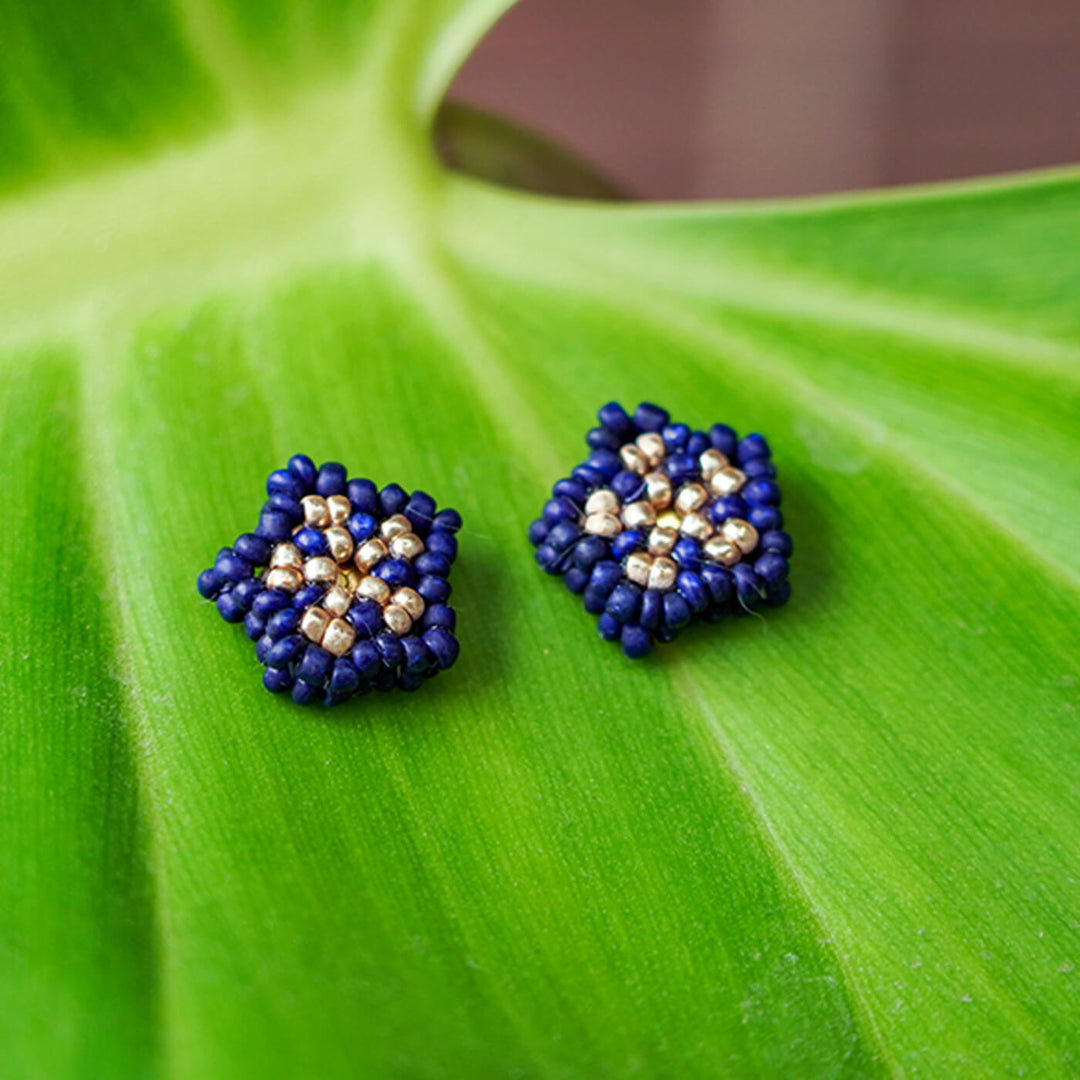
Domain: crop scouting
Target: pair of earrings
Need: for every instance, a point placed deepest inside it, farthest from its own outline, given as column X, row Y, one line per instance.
column 344, row 587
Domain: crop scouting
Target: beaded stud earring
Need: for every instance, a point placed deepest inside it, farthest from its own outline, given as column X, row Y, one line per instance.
column 342, row 587
column 662, row 524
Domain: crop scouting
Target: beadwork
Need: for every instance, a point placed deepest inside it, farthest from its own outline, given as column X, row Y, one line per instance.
column 342, row 587
column 663, row 524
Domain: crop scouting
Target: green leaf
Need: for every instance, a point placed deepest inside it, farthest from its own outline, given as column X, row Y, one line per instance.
column 839, row 841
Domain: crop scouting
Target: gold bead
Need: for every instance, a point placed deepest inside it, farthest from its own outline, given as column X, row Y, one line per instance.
column 349, row 578
column 284, row 577
column 314, row 623
column 638, row 514
column 321, row 569
column 711, row 462
column 603, row 501
column 662, row 540
column 287, row 555
column 397, row 618
column 637, row 567
column 373, row 588
column 670, row 520
column 722, row 551
column 652, row 446
column 340, row 542
column 339, row 637
column 603, row 525
column 406, row 546
column 658, row 490
column 316, row 512
column 691, row 497
column 696, row 526
column 340, row 508
column 395, row 526
column 726, row 482
column 662, row 574
column 634, row 460
column 410, row 600
column 338, row 600
column 371, row 553
column 741, row 533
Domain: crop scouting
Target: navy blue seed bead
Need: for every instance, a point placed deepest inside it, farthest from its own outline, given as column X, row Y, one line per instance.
column 366, row 659
column 677, row 611
column 547, row 558
column 692, row 589
column 594, row 599
column 447, row 521
column 753, row 446
column 608, row 627
column 396, row 572
column 439, row 615
column 442, row 543
column 274, row 526
column 311, row 542
column 332, row 479
column 775, row 540
column 759, row 469
column 330, row 699
column 569, row 488
column 765, row 518
column 748, row 586
column 538, row 531
column 303, row 469
column 277, row 680
column 443, row 646
column 308, row 595
column 762, row 493
column 393, row 499
column 563, row 536
column 605, row 462
column 430, row 563
column 282, row 482
column 682, row 467
column 244, row 594
column 626, row 542
column 305, row 693
column 590, row 550
column 614, row 417
column 253, row 548
column 254, row 625
column 560, row 509
column 410, row 681
column 698, row 444
column 314, row 666
column 231, row 567
column 687, row 553
column 666, row 634
column 728, row 506
column 364, row 496
column 284, row 652
column 209, row 584
column 628, row 486
column 262, row 648
column 344, row 678
column 420, row 510
column 771, row 567
column 652, row 609
column 576, row 580
column 649, row 417
column 390, row 649
column 636, row 641
column 605, row 576
column 417, row 657
column 778, row 595
column 724, row 439
column 719, row 582
column 603, row 439
column 675, row 437
column 590, row 477
column 282, row 623
column 366, row 617
column 434, row 590
column 625, row 601
column 228, row 608
column 362, row 527
column 385, row 679
column 287, row 505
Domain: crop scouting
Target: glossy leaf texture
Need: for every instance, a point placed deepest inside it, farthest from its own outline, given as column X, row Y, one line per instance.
column 841, row 840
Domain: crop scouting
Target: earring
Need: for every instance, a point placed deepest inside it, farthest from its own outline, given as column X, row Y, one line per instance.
column 342, row 586
column 662, row 524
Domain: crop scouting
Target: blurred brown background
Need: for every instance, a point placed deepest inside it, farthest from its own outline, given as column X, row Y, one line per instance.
column 698, row 98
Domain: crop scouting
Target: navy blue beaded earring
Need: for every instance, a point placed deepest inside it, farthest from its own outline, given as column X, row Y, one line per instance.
column 342, row 587
column 663, row 524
